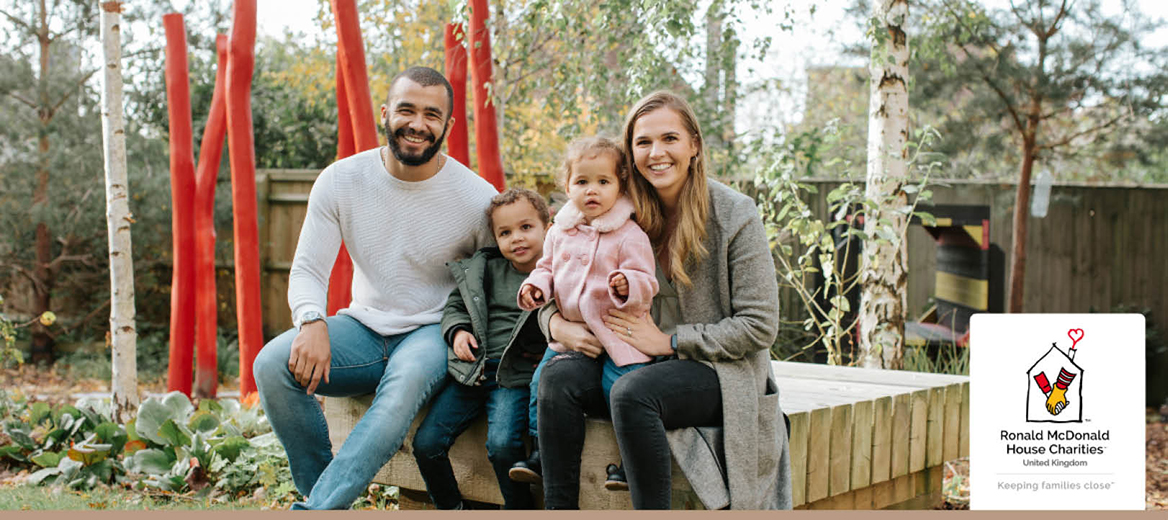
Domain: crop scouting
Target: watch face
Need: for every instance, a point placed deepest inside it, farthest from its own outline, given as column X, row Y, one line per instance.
column 311, row 316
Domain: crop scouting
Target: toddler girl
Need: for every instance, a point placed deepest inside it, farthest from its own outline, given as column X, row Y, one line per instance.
column 595, row 257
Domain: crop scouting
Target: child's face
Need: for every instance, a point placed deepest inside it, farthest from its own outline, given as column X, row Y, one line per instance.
column 519, row 232
column 593, row 185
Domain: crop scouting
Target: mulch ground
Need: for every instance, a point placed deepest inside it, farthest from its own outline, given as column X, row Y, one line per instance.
column 1157, row 467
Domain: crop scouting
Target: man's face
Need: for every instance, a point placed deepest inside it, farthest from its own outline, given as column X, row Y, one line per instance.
column 415, row 121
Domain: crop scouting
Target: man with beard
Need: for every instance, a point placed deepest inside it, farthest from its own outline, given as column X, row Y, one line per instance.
column 403, row 211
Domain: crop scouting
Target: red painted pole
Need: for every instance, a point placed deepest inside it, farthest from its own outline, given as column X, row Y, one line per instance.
column 182, row 184
column 457, row 142
column 356, row 78
column 340, row 288
column 241, row 150
column 486, row 128
column 206, row 301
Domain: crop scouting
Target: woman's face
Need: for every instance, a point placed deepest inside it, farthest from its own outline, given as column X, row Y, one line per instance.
column 662, row 151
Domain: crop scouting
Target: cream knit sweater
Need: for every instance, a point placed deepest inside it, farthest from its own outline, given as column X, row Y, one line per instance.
column 399, row 234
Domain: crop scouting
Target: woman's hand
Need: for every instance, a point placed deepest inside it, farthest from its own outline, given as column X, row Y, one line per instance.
column 575, row 336
column 640, row 332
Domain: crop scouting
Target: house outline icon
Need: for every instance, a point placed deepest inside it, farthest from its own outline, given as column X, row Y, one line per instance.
column 1036, row 399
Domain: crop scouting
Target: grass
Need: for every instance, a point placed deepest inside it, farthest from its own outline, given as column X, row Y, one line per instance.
column 947, row 359
column 29, row 498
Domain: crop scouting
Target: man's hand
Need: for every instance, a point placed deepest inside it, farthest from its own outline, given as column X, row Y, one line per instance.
column 311, row 355
column 620, row 284
column 575, row 336
column 530, row 296
column 1057, row 400
column 463, row 342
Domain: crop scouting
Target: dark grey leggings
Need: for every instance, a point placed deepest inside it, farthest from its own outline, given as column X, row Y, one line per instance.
column 665, row 395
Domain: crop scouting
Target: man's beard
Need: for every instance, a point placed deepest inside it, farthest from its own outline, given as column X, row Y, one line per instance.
column 421, row 158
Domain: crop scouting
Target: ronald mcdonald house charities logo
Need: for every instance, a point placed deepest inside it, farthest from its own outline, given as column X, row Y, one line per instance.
column 1061, row 402
column 1079, row 442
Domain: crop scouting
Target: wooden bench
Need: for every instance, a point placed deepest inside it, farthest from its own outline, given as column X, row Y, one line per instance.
column 860, row 439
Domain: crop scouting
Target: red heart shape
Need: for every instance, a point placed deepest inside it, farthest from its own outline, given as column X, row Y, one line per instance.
column 1075, row 335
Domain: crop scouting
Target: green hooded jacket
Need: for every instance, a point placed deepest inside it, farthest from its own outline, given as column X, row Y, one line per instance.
column 467, row 309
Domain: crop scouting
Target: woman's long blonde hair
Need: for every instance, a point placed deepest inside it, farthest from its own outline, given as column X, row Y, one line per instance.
column 684, row 245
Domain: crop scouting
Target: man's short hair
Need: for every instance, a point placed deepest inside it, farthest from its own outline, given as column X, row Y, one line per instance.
column 426, row 77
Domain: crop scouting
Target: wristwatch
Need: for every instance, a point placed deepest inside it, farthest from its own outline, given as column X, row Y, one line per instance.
column 673, row 342
column 310, row 317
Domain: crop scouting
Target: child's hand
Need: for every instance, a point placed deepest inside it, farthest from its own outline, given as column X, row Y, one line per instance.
column 530, row 296
column 620, row 284
column 463, row 342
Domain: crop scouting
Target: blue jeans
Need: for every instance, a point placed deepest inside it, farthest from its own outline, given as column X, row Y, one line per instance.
column 532, row 405
column 608, row 375
column 451, row 413
column 401, row 371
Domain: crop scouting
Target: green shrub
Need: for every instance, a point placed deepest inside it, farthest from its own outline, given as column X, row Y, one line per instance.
column 171, row 445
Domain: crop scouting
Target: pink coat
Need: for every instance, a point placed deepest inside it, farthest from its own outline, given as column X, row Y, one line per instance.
column 578, row 262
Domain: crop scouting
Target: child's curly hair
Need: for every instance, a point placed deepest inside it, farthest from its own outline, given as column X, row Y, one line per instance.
column 511, row 195
column 588, row 147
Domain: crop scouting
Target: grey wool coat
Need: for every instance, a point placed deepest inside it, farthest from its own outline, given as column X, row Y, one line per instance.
column 729, row 320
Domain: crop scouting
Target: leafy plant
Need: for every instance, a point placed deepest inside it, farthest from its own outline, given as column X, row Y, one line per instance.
column 807, row 246
column 75, row 446
column 186, row 447
column 171, row 445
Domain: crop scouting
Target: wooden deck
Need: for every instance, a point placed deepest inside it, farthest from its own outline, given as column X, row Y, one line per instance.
column 860, row 439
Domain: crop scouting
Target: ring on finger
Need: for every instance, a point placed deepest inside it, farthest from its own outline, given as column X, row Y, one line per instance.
column 629, row 332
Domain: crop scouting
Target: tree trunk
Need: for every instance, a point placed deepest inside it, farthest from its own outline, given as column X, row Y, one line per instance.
column 123, row 335
column 182, row 193
column 712, row 89
column 206, row 177
column 241, row 156
column 42, row 343
column 1022, row 220
column 486, row 125
column 41, row 350
column 340, row 285
column 457, row 141
column 729, row 89
column 884, row 273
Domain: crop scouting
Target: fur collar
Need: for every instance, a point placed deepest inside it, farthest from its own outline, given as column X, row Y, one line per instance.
column 570, row 216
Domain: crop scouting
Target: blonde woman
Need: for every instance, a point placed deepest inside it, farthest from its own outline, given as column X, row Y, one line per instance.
column 711, row 400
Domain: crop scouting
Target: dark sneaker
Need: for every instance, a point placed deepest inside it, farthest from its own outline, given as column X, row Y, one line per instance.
column 616, row 480
column 528, row 471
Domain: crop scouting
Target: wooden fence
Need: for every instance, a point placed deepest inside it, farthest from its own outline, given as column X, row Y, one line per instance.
column 1099, row 246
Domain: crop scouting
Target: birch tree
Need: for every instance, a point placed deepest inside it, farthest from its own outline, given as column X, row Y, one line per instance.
column 123, row 335
column 884, row 273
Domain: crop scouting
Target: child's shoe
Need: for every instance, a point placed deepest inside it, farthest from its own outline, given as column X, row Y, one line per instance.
column 529, row 471
column 616, row 480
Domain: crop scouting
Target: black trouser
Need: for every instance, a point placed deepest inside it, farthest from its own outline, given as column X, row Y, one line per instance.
column 645, row 402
